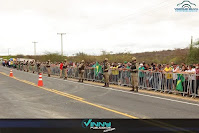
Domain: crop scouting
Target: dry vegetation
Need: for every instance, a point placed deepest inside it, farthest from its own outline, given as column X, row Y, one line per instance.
column 166, row 56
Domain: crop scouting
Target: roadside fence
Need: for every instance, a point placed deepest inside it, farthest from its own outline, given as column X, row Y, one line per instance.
column 175, row 83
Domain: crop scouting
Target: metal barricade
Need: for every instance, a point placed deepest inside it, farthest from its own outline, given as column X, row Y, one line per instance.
column 125, row 78
column 89, row 74
column 55, row 70
column 114, row 76
column 192, row 85
column 72, row 72
column 175, row 83
column 169, row 82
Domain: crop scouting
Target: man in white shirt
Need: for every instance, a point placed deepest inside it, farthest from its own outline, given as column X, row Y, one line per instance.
column 192, row 78
column 175, row 71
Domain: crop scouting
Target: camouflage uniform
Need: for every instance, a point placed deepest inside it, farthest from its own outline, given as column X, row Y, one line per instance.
column 65, row 65
column 38, row 67
column 81, row 71
column 134, row 74
column 106, row 74
column 17, row 65
column 48, row 68
column 21, row 65
column 24, row 65
column 33, row 66
column 27, row 66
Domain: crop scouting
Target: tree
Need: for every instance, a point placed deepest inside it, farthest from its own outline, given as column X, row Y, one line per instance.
column 193, row 55
column 20, row 56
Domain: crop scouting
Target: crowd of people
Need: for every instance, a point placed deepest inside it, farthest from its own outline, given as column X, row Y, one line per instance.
column 137, row 75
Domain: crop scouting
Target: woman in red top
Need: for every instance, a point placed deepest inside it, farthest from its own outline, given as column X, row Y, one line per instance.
column 61, row 68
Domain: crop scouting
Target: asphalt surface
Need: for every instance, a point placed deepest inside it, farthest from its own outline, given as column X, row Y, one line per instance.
column 20, row 99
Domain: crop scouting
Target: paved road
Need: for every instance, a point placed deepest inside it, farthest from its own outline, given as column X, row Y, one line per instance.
column 21, row 98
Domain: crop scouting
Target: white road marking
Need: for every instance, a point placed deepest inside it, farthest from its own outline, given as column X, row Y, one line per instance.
column 135, row 93
column 132, row 93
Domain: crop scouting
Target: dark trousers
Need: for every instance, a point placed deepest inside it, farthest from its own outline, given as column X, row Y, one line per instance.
column 197, row 86
column 184, row 85
column 175, row 83
column 141, row 80
column 192, row 86
column 169, row 84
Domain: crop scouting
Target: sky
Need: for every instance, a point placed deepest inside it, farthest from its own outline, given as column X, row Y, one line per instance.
column 92, row 26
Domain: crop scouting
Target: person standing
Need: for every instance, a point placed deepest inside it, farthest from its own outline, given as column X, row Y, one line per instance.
column 169, row 77
column 38, row 67
column 48, row 68
column 17, row 65
column 65, row 65
column 192, row 79
column 24, row 65
column 9, row 64
column 134, row 74
column 33, row 66
column 81, row 71
column 61, row 68
column 115, row 73
column 105, row 73
column 175, row 76
column 27, row 66
column 141, row 74
column 21, row 65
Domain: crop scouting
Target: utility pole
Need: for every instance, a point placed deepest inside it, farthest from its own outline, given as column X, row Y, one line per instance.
column 61, row 42
column 191, row 40
column 8, row 51
column 35, row 47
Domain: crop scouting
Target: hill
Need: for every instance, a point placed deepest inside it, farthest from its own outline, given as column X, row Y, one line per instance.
column 165, row 56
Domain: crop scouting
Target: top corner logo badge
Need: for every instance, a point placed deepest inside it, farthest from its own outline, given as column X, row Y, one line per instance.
column 186, row 6
column 106, row 126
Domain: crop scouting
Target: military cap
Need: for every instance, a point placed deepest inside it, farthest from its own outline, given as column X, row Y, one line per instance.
column 82, row 61
column 106, row 59
column 48, row 60
column 65, row 59
column 133, row 58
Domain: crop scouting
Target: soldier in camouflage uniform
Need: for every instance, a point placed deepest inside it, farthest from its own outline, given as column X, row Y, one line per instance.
column 65, row 66
column 48, row 68
column 24, row 65
column 134, row 74
column 27, row 66
column 38, row 67
column 106, row 74
column 17, row 65
column 21, row 65
column 81, row 68
column 33, row 66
